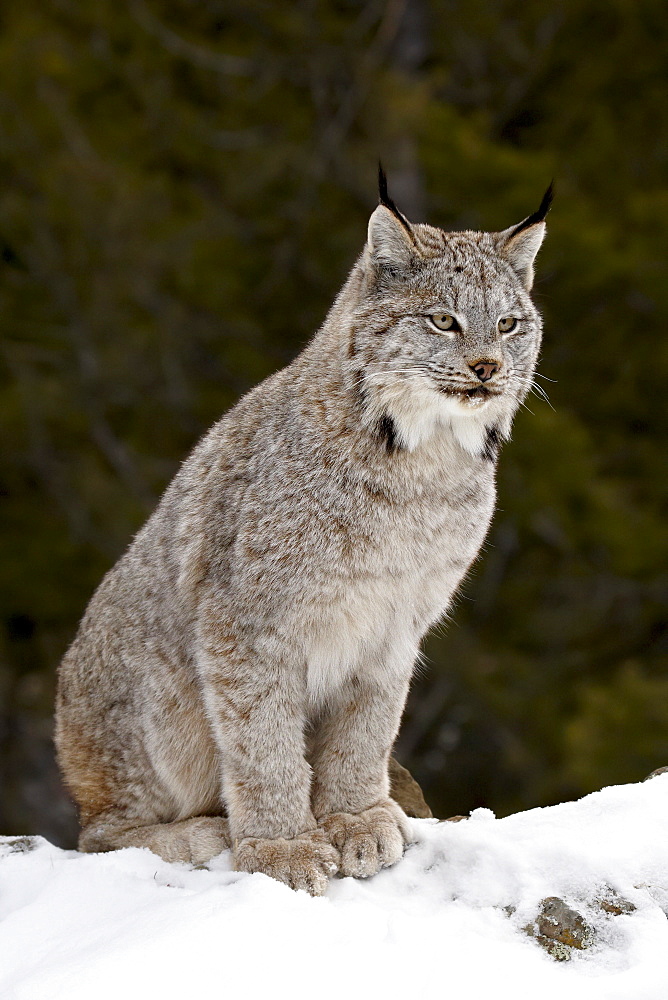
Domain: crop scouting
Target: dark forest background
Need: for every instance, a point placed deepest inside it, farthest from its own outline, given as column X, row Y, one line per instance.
column 184, row 185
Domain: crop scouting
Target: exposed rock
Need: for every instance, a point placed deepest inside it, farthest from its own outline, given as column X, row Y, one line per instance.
column 659, row 770
column 454, row 819
column 19, row 845
column 560, row 929
column 611, row 902
column 405, row 790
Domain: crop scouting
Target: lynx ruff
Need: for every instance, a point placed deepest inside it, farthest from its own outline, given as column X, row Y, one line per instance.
column 239, row 676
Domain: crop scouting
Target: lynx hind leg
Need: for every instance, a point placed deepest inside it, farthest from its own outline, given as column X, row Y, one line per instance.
column 195, row 840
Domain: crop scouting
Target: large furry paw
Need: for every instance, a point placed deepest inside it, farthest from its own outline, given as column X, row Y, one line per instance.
column 370, row 840
column 307, row 862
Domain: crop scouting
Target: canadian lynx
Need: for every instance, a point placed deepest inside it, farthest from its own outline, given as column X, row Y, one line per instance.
column 239, row 676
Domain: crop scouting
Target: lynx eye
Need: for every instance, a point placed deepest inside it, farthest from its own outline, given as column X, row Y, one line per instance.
column 507, row 324
column 445, row 322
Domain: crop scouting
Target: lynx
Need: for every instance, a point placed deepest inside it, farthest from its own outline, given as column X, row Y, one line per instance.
column 239, row 676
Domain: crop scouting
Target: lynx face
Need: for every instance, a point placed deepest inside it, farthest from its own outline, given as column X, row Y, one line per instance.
column 451, row 334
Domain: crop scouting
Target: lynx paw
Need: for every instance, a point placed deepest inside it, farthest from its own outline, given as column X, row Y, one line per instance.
column 307, row 862
column 368, row 841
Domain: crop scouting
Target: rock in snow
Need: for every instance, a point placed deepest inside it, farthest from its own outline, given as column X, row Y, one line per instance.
column 451, row 917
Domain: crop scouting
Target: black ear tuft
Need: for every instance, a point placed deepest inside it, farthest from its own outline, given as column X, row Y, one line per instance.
column 538, row 216
column 546, row 203
column 383, row 196
column 384, row 199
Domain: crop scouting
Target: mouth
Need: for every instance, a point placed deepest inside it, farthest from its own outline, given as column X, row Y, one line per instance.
column 476, row 396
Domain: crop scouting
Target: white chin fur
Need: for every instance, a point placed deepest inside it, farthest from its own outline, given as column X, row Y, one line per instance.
column 420, row 412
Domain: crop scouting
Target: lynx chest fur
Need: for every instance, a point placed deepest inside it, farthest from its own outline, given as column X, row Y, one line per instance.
column 239, row 676
column 348, row 557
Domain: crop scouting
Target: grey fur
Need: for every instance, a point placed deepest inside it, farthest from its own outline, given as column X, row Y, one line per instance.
column 239, row 676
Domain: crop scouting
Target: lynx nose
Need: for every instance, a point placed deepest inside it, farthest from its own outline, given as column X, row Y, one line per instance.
column 484, row 369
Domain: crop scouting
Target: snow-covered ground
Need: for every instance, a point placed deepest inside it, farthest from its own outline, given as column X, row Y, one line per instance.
column 446, row 921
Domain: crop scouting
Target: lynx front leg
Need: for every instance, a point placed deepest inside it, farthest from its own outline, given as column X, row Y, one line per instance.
column 256, row 710
column 350, row 757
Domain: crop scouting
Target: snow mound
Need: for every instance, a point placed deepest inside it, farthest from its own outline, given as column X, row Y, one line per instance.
column 449, row 917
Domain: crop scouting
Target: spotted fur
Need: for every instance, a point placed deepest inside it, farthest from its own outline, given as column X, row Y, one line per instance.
column 239, row 676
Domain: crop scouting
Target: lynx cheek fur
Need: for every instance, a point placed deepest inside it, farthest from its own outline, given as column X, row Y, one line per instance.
column 239, row 676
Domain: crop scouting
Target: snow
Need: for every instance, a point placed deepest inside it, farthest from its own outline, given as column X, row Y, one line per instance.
column 441, row 921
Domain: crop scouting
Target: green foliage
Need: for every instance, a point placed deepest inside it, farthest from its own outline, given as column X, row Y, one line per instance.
column 604, row 736
column 183, row 189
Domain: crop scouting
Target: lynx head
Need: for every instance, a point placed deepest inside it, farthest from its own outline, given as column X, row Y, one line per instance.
column 446, row 334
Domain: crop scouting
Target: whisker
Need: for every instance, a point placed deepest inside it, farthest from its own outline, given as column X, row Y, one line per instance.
column 530, row 386
column 537, row 391
column 523, row 378
column 526, row 371
column 541, row 392
column 522, row 403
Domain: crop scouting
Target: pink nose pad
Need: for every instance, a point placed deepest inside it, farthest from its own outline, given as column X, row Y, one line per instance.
column 484, row 369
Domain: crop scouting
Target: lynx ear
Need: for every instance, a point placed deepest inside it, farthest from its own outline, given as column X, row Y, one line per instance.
column 390, row 238
column 520, row 244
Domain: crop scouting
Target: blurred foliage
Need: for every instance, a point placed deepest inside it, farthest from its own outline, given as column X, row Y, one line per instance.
column 183, row 186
